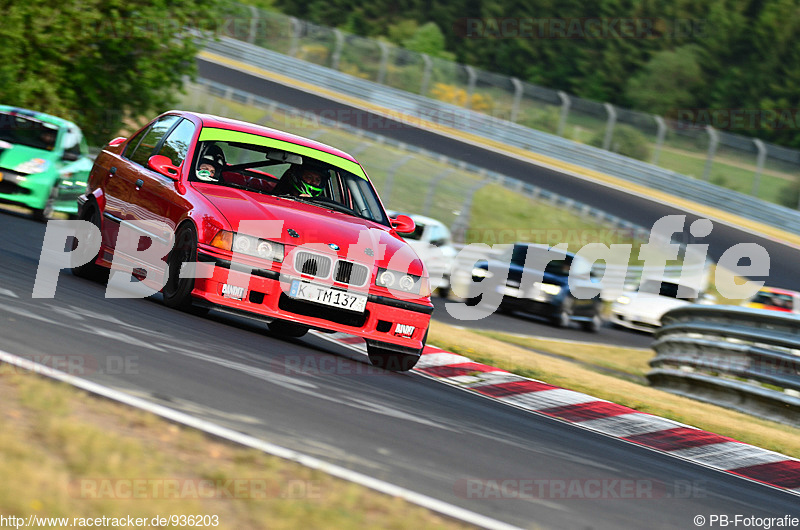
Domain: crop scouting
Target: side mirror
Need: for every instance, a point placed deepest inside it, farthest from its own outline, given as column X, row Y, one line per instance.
column 163, row 165
column 116, row 141
column 403, row 224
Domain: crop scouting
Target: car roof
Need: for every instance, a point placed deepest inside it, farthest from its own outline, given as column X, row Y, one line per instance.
column 220, row 122
column 36, row 115
column 777, row 290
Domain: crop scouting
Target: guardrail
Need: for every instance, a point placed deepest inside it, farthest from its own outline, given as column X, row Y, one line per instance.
column 444, row 114
column 737, row 357
column 379, row 141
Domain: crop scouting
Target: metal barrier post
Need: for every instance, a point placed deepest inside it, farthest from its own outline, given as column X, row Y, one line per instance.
column 612, row 120
column 562, row 119
column 390, row 176
column 337, row 51
column 662, row 132
column 762, row 155
column 432, row 190
column 713, row 141
column 517, row 98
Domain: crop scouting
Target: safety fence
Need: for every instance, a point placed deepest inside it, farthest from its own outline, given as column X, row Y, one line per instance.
column 408, row 178
column 436, row 113
column 690, row 147
column 741, row 358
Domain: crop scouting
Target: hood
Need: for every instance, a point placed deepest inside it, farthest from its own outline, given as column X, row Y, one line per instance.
column 12, row 155
column 309, row 224
column 650, row 307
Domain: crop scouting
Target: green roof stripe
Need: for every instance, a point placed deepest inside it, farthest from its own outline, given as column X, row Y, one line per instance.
column 212, row 134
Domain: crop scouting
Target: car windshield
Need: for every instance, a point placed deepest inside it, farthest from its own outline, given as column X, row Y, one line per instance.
column 274, row 172
column 668, row 289
column 533, row 257
column 24, row 130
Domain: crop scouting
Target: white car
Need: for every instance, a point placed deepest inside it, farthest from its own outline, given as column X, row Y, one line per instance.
column 642, row 310
column 433, row 243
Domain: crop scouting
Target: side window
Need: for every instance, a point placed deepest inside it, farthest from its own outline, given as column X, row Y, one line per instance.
column 72, row 141
column 144, row 150
column 131, row 147
column 177, row 143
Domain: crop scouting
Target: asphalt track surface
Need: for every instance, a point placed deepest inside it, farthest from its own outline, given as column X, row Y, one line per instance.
column 641, row 211
column 325, row 401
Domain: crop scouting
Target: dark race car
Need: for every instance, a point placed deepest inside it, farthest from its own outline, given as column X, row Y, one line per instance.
column 328, row 258
column 538, row 283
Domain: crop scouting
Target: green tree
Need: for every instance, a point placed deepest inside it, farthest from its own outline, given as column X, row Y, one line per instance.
column 668, row 81
column 428, row 39
column 99, row 62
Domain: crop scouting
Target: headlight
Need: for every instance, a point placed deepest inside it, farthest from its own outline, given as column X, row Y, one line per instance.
column 401, row 281
column 550, row 288
column 34, row 165
column 623, row 300
column 249, row 245
column 479, row 272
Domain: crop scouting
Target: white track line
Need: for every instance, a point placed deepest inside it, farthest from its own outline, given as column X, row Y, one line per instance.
column 381, row 486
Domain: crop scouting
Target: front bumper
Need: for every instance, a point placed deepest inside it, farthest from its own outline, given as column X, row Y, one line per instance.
column 389, row 321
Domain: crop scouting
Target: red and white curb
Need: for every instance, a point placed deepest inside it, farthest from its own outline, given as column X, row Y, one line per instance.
column 588, row 412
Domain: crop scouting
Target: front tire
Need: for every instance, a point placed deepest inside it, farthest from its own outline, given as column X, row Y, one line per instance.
column 177, row 292
column 563, row 318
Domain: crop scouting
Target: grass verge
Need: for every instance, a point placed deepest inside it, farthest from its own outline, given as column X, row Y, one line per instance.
column 65, row 453
column 512, row 354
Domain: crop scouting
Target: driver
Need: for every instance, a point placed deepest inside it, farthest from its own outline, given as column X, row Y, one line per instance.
column 308, row 183
column 211, row 163
column 302, row 182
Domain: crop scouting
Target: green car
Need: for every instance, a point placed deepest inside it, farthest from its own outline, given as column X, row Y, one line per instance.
column 44, row 162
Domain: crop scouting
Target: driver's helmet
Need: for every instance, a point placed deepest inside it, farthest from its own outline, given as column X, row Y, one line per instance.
column 308, row 181
column 214, row 156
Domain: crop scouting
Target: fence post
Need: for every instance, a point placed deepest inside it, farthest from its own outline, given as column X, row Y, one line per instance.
column 295, row 39
column 337, row 51
column 432, row 190
column 387, row 193
column 762, row 155
column 426, row 74
column 472, row 77
column 384, row 61
column 612, row 120
column 662, row 132
column 566, row 103
column 517, row 98
column 462, row 221
column 713, row 140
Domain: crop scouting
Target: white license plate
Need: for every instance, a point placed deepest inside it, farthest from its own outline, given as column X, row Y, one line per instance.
column 325, row 296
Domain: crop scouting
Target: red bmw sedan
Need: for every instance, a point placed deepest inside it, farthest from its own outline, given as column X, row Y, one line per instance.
column 263, row 223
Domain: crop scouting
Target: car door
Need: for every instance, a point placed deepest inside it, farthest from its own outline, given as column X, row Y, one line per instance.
column 127, row 172
column 155, row 197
